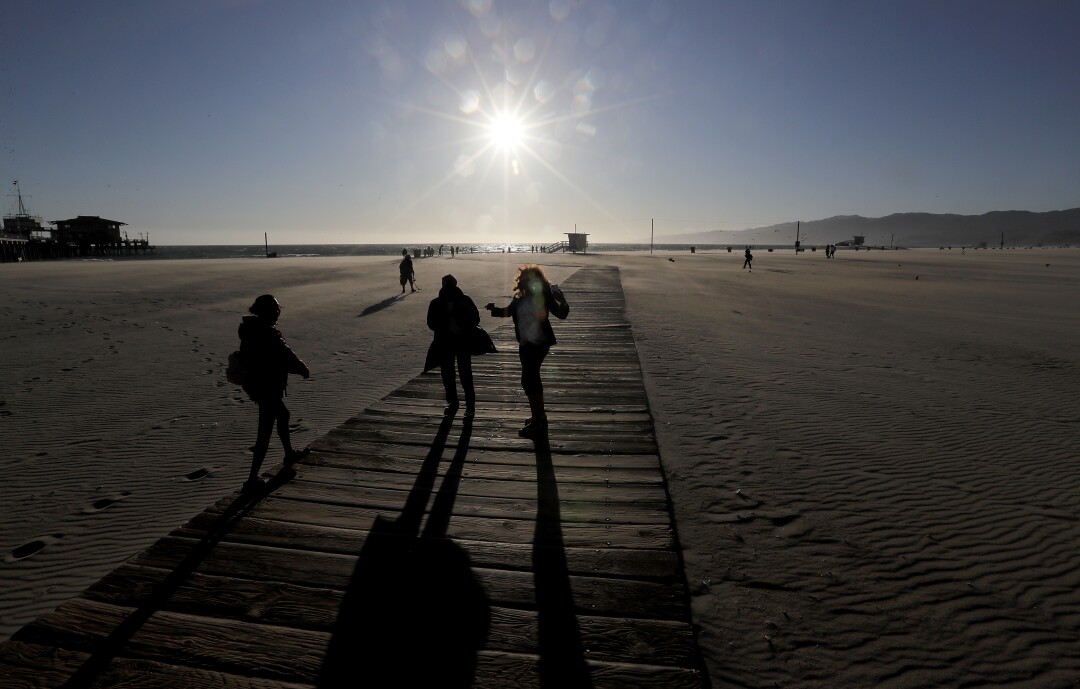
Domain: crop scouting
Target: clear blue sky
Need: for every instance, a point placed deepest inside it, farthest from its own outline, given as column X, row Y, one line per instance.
column 212, row 121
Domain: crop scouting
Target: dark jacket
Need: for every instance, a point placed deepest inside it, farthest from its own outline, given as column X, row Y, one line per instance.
column 552, row 304
column 453, row 317
column 268, row 361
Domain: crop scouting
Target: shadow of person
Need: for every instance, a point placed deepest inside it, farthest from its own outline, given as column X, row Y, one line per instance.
column 413, row 613
column 375, row 308
column 562, row 653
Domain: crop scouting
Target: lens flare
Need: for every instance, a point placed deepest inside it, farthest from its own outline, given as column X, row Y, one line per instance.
column 506, row 132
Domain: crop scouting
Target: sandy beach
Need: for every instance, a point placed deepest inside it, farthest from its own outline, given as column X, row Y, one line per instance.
column 872, row 459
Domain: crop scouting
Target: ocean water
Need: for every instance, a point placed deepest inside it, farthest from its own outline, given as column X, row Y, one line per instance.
column 313, row 250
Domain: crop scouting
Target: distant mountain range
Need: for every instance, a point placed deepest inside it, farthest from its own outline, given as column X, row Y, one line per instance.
column 1020, row 228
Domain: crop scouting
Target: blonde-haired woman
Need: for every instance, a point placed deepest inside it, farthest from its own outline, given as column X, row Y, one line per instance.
column 535, row 299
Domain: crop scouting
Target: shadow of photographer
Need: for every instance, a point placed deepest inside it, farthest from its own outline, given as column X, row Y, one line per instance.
column 413, row 613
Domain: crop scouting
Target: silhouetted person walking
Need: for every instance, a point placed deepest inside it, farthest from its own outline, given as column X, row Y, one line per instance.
column 535, row 299
column 747, row 261
column 453, row 317
column 405, row 270
column 268, row 361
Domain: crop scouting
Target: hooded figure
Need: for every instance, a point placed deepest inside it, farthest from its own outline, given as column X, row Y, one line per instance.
column 268, row 361
column 453, row 318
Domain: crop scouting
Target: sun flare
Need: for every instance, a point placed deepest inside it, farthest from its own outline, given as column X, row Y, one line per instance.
column 506, row 131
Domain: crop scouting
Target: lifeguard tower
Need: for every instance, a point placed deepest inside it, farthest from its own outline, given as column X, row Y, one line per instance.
column 576, row 242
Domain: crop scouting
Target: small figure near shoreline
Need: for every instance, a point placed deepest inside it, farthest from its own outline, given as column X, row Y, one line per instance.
column 406, row 272
column 748, row 260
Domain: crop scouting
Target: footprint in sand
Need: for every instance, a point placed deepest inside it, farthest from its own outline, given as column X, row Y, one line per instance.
column 27, row 550
column 198, row 474
column 105, row 503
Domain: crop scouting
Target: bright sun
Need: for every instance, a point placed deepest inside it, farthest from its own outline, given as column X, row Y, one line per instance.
column 506, row 132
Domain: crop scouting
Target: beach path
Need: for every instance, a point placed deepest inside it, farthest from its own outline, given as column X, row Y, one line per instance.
column 412, row 548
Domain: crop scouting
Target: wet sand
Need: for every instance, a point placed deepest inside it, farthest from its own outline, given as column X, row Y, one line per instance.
column 872, row 458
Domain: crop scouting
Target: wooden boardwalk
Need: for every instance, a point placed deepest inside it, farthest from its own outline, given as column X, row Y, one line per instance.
column 416, row 550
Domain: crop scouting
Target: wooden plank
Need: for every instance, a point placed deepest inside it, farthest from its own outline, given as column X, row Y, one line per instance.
column 324, row 525
column 227, row 645
column 332, row 569
column 36, row 666
column 391, row 452
column 517, row 471
column 477, row 483
column 280, row 603
column 262, row 656
column 492, row 507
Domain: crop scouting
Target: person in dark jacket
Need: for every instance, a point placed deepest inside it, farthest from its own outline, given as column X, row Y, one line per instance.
column 268, row 361
column 406, row 272
column 453, row 317
column 535, row 300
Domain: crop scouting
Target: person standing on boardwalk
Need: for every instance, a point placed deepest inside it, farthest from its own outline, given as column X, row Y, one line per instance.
column 268, row 361
column 405, row 270
column 535, row 300
column 748, row 260
column 453, row 317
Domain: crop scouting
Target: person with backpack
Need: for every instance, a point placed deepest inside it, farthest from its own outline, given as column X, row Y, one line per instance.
column 267, row 363
column 535, row 300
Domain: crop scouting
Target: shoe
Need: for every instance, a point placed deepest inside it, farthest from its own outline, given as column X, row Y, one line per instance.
column 296, row 455
column 533, row 427
column 254, row 485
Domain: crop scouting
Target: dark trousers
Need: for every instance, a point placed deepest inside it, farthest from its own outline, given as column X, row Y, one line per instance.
column 271, row 411
column 464, row 369
column 531, row 357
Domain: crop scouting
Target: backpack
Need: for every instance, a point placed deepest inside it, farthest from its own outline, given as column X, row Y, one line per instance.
column 234, row 373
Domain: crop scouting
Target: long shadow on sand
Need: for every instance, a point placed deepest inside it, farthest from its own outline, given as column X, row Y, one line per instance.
column 413, row 612
column 379, row 306
column 107, row 649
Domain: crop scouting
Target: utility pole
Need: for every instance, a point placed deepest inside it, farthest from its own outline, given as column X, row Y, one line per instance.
column 652, row 234
column 798, row 225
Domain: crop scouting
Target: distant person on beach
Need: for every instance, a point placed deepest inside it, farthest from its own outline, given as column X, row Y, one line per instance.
column 535, row 299
column 405, row 270
column 268, row 361
column 748, row 260
column 453, row 317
